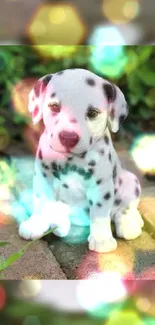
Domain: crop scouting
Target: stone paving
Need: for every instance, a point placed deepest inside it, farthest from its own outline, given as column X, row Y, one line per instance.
column 55, row 258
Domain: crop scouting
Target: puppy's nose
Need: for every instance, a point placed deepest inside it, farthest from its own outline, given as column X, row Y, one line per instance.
column 68, row 139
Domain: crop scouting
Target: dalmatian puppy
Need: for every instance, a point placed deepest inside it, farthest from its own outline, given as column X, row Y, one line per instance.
column 77, row 169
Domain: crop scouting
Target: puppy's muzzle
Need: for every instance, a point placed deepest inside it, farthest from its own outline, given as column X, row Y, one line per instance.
column 68, row 139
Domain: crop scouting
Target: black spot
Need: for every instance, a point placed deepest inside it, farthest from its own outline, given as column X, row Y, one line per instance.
column 91, row 171
column 56, row 174
column 120, row 181
column 37, row 195
column 83, row 154
column 47, row 79
column 106, row 139
column 90, row 81
column 117, row 202
column 101, row 151
column 53, row 94
column 99, row 204
column 99, row 181
column 137, row 191
column 70, row 158
column 115, row 191
column 112, row 113
column 45, row 166
column 44, row 175
column 87, row 210
column 73, row 168
column 109, row 156
column 40, row 155
column 51, row 135
column 87, row 176
column 114, row 172
column 90, row 202
column 56, row 122
column 81, row 171
column 65, row 185
column 54, row 166
column 107, row 196
column 110, row 92
column 122, row 118
column 92, row 163
column 91, row 140
column 60, row 72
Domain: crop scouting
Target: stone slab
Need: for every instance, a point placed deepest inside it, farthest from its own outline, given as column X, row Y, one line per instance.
column 38, row 261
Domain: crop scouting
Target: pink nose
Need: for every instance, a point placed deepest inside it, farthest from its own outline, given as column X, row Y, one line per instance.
column 68, row 139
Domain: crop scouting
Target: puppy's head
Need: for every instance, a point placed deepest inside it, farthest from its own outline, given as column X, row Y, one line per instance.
column 76, row 107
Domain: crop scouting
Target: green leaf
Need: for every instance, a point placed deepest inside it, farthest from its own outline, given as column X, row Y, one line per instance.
column 11, row 259
column 3, row 243
column 145, row 112
column 146, row 76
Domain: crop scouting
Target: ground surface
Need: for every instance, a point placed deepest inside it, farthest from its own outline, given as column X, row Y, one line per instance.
column 52, row 258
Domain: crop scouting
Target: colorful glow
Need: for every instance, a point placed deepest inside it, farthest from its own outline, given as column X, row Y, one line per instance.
column 144, row 298
column 142, row 153
column 126, row 317
column 124, row 12
column 2, row 297
column 100, row 297
column 115, row 262
column 106, row 35
column 29, row 288
column 49, row 21
column 20, row 94
column 105, row 59
column 55, row 51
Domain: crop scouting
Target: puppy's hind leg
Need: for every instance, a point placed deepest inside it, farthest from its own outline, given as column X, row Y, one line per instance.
column 127, row 218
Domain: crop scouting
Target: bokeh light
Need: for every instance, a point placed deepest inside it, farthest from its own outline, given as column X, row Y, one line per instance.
column 104, row 58
column 124, row 317
column 100, row 297
column 121, row 260
column 55, row 51
column 29, row 289
column 106, row 35
column 20, row 94
column 142, row 152
column 2, row 297
column 125, row 11
column 58, row 24
column 144, row 298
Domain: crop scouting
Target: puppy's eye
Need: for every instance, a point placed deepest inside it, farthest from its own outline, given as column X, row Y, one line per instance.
column 54, row 107
column 92, row 113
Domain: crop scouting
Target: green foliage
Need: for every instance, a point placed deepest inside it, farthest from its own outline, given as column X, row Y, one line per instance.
column 137, row 80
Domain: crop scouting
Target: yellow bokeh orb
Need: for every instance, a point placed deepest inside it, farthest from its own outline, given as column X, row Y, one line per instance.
column 58, row 24
column 122, row 11
column 126, row 317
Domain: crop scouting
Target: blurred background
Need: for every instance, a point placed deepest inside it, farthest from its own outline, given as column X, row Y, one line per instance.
column 77, row 302
column 132, row 21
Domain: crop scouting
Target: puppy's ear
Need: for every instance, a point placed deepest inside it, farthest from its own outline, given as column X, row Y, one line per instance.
column 36, row 98
column 117, row 106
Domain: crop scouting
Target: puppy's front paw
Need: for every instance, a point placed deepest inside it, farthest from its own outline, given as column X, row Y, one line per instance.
column 102, row 246
column 31, row 229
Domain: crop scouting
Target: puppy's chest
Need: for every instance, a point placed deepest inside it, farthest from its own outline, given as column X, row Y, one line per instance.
column 72, row 178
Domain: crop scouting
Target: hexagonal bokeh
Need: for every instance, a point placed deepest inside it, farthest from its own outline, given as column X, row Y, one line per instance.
column 56, row 25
